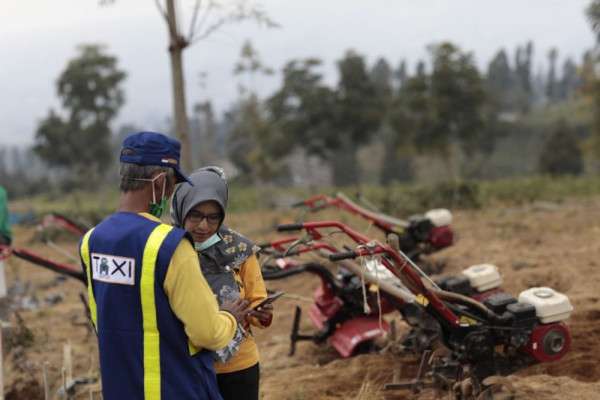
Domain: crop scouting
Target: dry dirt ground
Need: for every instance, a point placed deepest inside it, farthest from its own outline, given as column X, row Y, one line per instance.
column 545, row 244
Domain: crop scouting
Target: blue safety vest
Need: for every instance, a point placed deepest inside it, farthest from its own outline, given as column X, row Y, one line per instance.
column 144, row 351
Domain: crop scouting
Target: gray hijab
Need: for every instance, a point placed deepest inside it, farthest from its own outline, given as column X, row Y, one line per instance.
column 209, row 184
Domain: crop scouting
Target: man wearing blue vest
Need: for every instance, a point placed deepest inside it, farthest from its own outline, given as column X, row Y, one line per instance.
column 153, row 310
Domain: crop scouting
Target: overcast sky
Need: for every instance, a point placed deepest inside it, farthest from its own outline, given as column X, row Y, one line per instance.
column 37, row 37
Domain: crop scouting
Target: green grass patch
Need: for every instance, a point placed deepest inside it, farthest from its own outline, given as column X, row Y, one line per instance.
column 87, row 207
column 403, row 200
column 398, row 199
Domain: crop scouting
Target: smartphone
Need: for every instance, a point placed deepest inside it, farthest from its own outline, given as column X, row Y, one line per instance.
column 270, row 298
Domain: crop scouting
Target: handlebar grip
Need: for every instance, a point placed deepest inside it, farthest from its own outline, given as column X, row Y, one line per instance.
column 319, row 207
column 289, row 227
column 265, row 245
column 343, row 255
column 298, row 204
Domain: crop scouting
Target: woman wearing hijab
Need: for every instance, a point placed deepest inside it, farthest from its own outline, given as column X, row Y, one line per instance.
column 231, row 268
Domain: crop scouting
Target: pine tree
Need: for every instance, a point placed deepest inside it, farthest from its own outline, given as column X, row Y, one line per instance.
column 359, row 112
column 551, row 82
column 401, row 74
column 499, row 81
column 569, row 81
column 381, row 76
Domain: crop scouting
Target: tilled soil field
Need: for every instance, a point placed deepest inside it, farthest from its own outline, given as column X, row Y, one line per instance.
column 541, row 244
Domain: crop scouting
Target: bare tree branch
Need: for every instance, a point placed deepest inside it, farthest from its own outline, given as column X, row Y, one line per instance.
column 172, row 29
column 212, row 28
column 193, row 21
column 161, row 10
column 211, row 6
column 242, row 12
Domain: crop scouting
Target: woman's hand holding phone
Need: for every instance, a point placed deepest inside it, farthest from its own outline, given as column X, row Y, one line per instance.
column 263, row 311
column 264, row 314
column 238, row 308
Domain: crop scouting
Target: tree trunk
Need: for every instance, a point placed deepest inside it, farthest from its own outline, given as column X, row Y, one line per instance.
column 448, row 155
column 344, row 164
column 176, row 46
column 397, row 161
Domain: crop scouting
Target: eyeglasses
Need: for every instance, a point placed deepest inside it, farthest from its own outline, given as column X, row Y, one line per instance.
column 196, row 217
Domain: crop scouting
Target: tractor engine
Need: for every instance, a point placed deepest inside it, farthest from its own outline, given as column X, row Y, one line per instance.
column 551, row 338
column 528, row 330
column 431, row 230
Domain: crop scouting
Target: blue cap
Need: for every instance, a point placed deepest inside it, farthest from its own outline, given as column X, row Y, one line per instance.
column 151, row 148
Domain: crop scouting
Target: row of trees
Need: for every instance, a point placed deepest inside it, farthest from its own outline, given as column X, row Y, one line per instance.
column 518, row 88
column 446, row 108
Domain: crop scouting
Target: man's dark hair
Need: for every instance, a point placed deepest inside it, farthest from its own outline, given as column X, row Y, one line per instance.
column 134, row 176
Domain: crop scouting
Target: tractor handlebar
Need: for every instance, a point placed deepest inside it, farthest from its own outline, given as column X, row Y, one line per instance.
column 290, row 227
column 298, row 204
column 344, row 255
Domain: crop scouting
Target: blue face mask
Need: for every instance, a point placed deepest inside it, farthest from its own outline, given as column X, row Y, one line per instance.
column 214, row 239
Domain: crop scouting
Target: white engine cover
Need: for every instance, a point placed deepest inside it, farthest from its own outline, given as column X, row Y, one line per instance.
column 483, row 277
column 550, row 305
column 378, row 270
column 439, row 217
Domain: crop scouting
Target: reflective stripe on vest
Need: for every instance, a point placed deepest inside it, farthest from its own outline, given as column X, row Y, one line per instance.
column 151, row 335
column 85, row 256
column 152, row 377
